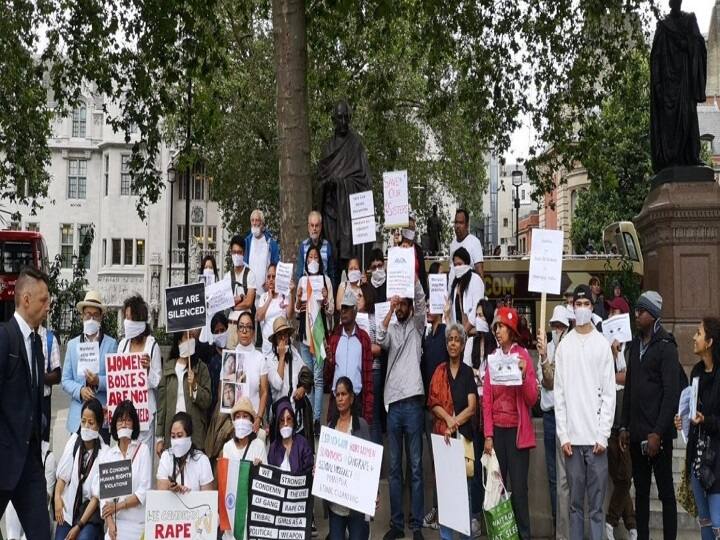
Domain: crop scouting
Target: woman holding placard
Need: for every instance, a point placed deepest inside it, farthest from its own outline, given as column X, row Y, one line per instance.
column 354, row 280
column 508, row 425
column 465, row 291
column 272, row 306
column 183, row 467
column 125, row 516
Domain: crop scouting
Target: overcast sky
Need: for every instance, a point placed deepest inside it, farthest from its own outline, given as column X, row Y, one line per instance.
column 522, row 138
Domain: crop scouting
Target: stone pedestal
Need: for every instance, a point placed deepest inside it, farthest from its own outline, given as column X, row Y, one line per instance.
column 679, row 229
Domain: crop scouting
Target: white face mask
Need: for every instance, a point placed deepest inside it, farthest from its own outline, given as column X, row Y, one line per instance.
column 208, row 272
column 378, row 277
column 181, row 446
column 481, row 325
column 243, row 427
column 354, row 276
column 256, row 231
column 187, row 348
column 286, row 432
column 583, row 315
column 220, row 340
column 124, row 433
column 133, row 328
column 313, row 267
column 461, row 270
column 556, row 335
column 91, row 327
column 87, row 434
column 237, row 260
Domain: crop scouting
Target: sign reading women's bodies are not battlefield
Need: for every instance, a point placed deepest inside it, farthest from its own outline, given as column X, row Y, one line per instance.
column 127, row 379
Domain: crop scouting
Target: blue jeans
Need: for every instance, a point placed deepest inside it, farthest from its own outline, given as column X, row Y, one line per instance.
column 88, row 532
column 376, row 428
column 354, row 524
column 708, row 505
column 446, row 533
column 549, row 438
column 316, row 396
column 406, row 421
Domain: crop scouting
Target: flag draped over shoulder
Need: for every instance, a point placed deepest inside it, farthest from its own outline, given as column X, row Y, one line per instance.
column 233, row 484
column 315, row 328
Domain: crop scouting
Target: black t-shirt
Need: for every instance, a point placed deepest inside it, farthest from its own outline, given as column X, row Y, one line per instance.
column 460, row 388
column 705, row 390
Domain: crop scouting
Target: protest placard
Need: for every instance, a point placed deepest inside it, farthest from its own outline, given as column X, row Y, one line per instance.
column 395, row 193
column 347, row 470
column 401, row 272
column 504, row 369
column 219, row 296
column 452, row 495
column 185, row 307
column 189, row 516
column 363, row 321
column 279, row 504
column 617, row 328
column 362, row 214
column 88, row 357
column 283, row 276
column 438, row 293
column 127, row 379
column 363, row 230
column 115, row 479
column 317, row 284
column 546, row 261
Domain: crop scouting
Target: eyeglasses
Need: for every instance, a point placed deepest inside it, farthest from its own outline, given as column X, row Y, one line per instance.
column 245, row 327
column 88, row 316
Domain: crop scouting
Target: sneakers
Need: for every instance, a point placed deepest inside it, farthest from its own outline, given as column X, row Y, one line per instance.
column 476, row 528
column 632, row 534
column 394, row 533
column 430, row 519
column 418, row 535
column 610, row 532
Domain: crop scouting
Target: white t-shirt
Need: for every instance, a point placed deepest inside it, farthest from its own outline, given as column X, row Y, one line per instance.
column 197, row 472
column 68, row 472
column 277, row 307
column 254, row 367
column 473, row 246
column 54, row 361
column 251, row 281
column 179, row 373
column 256, row 450
column 281, row 387
column 258, row 263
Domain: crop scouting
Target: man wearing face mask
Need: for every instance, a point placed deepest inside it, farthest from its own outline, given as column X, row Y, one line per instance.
column 376, row 270
column 84, row 386
column 314, row 239
column 261, row 250
column 242, row 278
column 584, row 388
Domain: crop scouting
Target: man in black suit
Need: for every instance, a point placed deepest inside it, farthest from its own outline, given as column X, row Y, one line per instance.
column 22, row 477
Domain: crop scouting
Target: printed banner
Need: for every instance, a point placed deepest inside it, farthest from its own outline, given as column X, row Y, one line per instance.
column 185, row 307
column 115, row 479
column 127, row 379
column 190, row 516
column 88, row 357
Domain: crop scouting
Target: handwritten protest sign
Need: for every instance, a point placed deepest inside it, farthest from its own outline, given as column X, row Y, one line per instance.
column 347, row 470
column 453, row 501
column 127, row 379
column 219, row 296
column 395, row 193
column 317, row 284
column 189, row 516
column 185, row 307
column 363, row 321
column 546, row 261
column 88, row 357
column 283, row 276
column 504, row 369
column 401, row 272
column 617, row 328
column 279, row 505
column 362, row 214
column 438, row 293
column 115, row 479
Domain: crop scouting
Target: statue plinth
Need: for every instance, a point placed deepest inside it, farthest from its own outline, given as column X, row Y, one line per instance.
column 683, row 174
column 679, row 228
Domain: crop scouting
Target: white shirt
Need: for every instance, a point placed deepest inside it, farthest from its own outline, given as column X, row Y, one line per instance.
column 254, row 367
column 474, row 292
column 258, row 263
column 197, row 471
column 251, row 281
column 179, row 373
column 281, row 387
column 256, row 450
column 54, row 355
column 155, row 372
column 473, row 246
column 278, row 306
column 26, row 333
column 67, row 471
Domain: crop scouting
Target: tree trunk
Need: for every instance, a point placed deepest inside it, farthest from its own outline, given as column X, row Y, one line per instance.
column 292, row 123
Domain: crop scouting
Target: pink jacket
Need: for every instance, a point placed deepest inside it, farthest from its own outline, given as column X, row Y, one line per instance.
column 525, row 397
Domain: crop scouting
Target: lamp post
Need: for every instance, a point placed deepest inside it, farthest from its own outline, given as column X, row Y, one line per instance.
column 517, row 180
column 171, row 177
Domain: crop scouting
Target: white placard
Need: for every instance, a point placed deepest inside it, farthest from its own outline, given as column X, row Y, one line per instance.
column 363, row 321
column 283, row 275
column 546, row 261
column 219, row 296
column 504, row 369
column 363, row 230
column 347, row 470
column 694, row 391
column 88, row 357
column 684, row 412
column 362, row 205
column 617, row 328
column 451, row 485
column 395, row 192
column 438, row 293
column 191, row 516
column 401, row 272
column 317, row 283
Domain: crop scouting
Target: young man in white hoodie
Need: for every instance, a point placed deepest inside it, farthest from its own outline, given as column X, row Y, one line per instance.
column 584, row 411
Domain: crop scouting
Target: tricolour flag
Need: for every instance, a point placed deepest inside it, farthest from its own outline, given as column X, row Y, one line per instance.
column 233, row 484
column 315, row 328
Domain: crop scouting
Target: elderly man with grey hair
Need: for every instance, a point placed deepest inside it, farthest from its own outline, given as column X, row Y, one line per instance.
column 261, row 250
column 315, row 238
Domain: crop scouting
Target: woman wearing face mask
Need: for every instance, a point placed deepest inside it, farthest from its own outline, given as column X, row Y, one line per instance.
column 355, row 278
column 376, row 272
column 289, row 450
column 219, row 327
column 244, row 445
column 208, row 270
column 183, row 467
column 313, row 268
column 77, row 509
column 185, row 387
column 125, row 516
column 272, row 306
column 508, row 426
column 464, row 293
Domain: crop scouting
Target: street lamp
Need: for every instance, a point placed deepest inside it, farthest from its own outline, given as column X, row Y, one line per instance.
column 171, row 177
column 517, row 180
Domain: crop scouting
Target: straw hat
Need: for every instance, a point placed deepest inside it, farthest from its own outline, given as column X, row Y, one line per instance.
column 243, row 405
column 281, row 325
column 92, row 299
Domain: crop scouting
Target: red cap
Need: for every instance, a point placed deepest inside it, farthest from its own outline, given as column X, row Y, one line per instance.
column 509, row 317
column 618, row 303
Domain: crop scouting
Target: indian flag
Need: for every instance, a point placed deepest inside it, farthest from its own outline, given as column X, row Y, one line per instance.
column 314, row 326
column 233, row 484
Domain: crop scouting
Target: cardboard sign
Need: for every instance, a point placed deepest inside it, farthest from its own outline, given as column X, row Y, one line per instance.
column 185, row 307
column 362, row 213
column 127, row 379
column 189, row 516
column 438, row 293
column 347, row 470
column 115, row 479
column 283, row 276
column 504, row 369
column 219, row 296
column 617, row 328
column 401, row 272
column 452, row 493
column 279, row 504
column 395, row 193
column 88, row 357
column 546, row 261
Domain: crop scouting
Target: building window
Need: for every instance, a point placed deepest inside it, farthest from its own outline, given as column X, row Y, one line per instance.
column 522, row 194
column 67, row 237
column 505, row 222
column 116, row 246
column 83, row 233
column 107, row 174
column 573, row 202
column 104, row 252
column 35, row 227
column 77, row 179
column 197, row 234
column 125, row 178
column 181, row 235
column 198, row 187
column 128, row 252
column 140, row 252
column 212, row 236
column 79, row 120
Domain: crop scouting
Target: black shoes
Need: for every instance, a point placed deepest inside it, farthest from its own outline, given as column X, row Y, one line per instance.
column 394, row 533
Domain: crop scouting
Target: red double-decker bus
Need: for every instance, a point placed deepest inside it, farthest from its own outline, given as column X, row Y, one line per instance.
column 17, row 250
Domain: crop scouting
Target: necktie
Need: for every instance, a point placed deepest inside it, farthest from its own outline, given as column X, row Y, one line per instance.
column 37, row 358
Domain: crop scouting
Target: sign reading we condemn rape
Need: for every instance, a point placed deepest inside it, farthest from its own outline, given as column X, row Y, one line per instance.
column 187, row 516
column 347, row 470
column 127, row 379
